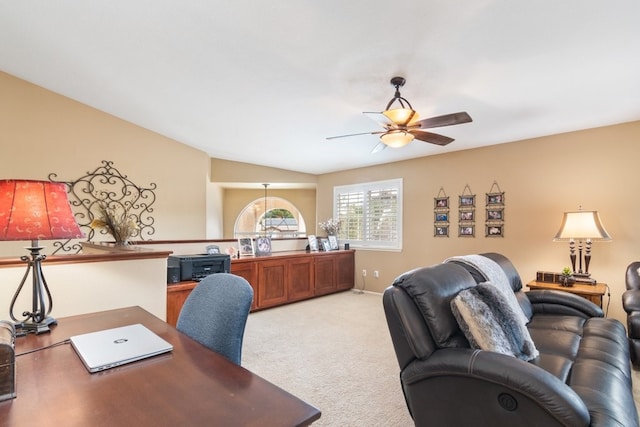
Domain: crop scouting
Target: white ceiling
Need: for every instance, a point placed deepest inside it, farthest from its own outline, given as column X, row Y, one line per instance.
column 266, row 82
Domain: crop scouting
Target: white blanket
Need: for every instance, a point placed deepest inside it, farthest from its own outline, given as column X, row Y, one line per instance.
column 493, row 273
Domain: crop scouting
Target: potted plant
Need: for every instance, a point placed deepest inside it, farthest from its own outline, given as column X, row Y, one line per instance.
column 567, row 279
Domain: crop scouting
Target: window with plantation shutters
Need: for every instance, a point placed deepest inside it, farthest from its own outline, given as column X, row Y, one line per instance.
column 370, row 214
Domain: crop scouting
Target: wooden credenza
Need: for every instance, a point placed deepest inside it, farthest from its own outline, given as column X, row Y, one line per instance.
column 281, row 278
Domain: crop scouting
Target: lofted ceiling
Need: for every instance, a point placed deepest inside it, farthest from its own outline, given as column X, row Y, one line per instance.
column 267, row 82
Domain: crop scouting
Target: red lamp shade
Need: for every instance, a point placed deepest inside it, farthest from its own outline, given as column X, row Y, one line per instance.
column 36, row 210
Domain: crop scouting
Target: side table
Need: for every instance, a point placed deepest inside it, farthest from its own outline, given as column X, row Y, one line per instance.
column 593, row 293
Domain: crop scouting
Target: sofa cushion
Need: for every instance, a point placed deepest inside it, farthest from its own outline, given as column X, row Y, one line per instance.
column 489, row 322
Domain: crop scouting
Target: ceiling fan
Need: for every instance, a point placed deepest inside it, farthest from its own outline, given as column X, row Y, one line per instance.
column 402, row 125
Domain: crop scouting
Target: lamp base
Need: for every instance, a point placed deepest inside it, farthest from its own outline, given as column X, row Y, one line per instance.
column 42, row 327
column 581, row 274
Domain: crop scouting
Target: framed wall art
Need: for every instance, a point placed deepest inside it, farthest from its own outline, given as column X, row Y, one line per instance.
column 494, row 230
column 441, row 231
column 494, row 225
column 441, row 214
column 466, row 231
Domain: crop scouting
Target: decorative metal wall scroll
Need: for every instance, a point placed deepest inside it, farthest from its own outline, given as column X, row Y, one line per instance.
column 107, row 185
column 466, row 213
column 494, row 226
column 441, row 214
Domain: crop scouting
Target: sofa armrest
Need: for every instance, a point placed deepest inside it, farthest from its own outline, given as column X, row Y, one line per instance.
column 557, row 302
column 490, row 388
column 631, row 300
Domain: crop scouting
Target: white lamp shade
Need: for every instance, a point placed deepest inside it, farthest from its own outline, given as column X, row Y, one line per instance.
column 396, row 138
column 582, row 225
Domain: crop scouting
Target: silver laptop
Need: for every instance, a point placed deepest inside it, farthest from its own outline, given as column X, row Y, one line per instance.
column 114, row 347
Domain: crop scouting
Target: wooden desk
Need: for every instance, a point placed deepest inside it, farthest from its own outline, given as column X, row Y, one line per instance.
column 593, row 293
column 189, row 386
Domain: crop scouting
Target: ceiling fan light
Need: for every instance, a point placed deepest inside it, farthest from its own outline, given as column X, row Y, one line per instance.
column 396, row 138
column 401, row 116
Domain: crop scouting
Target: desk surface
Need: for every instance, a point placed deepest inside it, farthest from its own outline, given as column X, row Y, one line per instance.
column 189, row 386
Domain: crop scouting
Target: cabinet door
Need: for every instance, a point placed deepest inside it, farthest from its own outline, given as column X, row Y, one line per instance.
column 325, row 275
column 272, row 288
column 300, row 280
column 345, row 271
column 249, row 271
column 176, row 296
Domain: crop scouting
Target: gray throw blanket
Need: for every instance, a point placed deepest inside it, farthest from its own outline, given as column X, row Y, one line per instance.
column 489, row 322
column 493, row 273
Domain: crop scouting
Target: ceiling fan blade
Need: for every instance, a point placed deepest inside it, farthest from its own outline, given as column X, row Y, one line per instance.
column 432, row 138
column 379, row 118
column 378, row 148
column 446, row 120
column 355, row 134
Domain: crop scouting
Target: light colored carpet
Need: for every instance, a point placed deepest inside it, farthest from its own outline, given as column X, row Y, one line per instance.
column 335, row 353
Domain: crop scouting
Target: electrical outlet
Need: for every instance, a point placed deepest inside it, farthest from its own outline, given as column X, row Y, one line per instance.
column 376, row 273
column 364, row 272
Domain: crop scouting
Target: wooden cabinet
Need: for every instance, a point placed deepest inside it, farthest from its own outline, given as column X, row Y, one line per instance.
column 272, row 280
column 249, row 271
column 335, row 273
column 300, row 283
column 176, row 296
column 280, row 278
column 345, row 270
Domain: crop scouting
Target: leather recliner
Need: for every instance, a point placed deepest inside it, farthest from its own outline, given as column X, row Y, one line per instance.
column 582, row 376
column 631, row 304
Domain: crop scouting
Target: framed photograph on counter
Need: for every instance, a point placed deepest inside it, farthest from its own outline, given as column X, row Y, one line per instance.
column 263, row 245
column 245, row 246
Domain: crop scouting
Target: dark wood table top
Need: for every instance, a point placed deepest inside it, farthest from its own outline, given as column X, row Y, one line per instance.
column 188, row 387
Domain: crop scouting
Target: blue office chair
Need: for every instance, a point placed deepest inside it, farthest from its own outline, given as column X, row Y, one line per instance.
column 215, row 314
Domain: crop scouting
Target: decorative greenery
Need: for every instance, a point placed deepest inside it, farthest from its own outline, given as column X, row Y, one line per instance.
column 115, row 220
column 330, row 226
column 566, row 272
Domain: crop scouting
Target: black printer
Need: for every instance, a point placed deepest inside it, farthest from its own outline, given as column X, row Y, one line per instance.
column 196, row 267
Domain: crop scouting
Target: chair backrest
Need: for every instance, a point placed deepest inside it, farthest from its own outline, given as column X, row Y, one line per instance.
column 418, row 311
column 632, row 278
column 215, row 314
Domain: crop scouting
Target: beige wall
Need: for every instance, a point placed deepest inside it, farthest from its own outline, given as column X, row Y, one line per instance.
column 42, row 133
column 541, row 179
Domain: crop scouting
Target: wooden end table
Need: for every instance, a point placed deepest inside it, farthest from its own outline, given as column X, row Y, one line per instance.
column 593, row 293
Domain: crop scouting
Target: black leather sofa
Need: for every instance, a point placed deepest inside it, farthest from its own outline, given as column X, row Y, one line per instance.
column 631, row 304
column 582, row 376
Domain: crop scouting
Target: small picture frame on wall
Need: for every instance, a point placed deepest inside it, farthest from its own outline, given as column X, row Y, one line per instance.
column 466, row 231
column 467, row 215
column 441, row 216
column 468, row 201
column 441, row 231
column 495, row 214
column 495, row 199
column 245, row 246
column 441, row 202
column 494, row 230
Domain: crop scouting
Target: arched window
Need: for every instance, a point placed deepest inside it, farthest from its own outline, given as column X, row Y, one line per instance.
column 281, row 219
